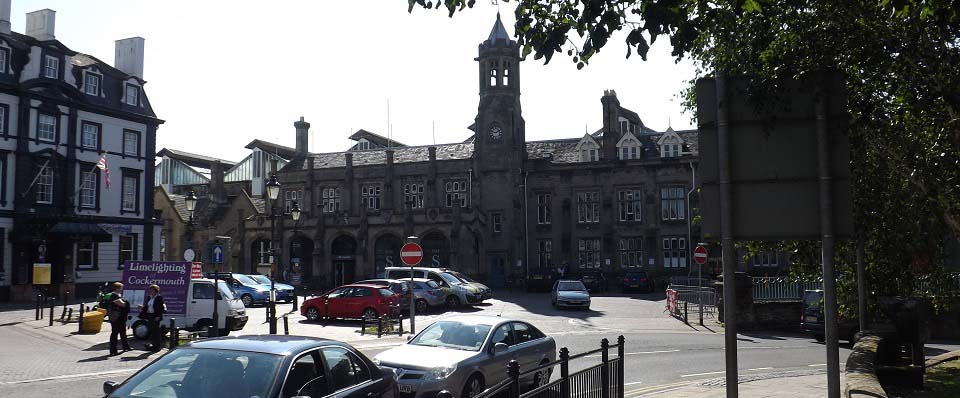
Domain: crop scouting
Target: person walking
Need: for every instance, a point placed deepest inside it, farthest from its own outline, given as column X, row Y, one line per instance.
column 117, row 312
column 152, row 311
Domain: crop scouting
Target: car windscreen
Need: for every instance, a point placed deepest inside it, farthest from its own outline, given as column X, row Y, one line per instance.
column 246, row 280
column 452, row 334
column 226, row 291
column 433, row 284
column 262, row 279
column 194, row 372
column 450, row 278
column 386, row 292
column 571, row 286
column 462, row 276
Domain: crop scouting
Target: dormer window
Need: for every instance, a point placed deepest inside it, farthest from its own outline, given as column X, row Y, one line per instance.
column 589, row 149
column 589, row 155
column 670, row 150
column 629, row 147
column 132, row 95
column 671, row 145
column 4, row 59
column 51, row 67
column 363, row 145
column 91, row 83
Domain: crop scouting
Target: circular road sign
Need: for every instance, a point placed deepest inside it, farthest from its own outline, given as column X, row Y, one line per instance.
column 411, row 254
column 700, row 255
column 188, row 255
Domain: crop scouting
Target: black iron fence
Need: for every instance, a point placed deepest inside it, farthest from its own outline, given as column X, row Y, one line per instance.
column 602, row 380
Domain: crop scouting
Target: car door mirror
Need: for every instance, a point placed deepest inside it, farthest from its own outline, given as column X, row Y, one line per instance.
column 109, row 387
column 500, row 348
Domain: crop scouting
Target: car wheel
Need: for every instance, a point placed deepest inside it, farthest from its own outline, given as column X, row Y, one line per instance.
column 370, row 313
column 247, row 300
column 473, row 386
column 203, row 324
column 542, row 377
column 820, row 338
column 313, row 314
column 422, row 306
column 553, row 303
column 453, row 302
column 140, row 330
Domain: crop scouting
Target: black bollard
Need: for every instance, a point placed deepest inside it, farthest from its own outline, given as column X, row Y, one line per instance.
column 80, row 320
column 39, row 313
column 173, row 334
column 52, row 300
column 286, row 326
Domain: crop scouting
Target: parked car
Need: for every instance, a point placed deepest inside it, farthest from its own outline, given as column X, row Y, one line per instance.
column 812, row 320
column 541, row 279
column 464, row 354
column 285, row 292
column 429, row 294
column 485, row 292
column 400, row 287
column 247, row 289
column 593, row 279
column 570, row 294
column 460, row 292
column 637, row 281
column 265, row 366
column 351, row 301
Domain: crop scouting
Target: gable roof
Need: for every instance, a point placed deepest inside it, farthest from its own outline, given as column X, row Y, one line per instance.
column 376, row 138
column 280, row 150
column 192, row 159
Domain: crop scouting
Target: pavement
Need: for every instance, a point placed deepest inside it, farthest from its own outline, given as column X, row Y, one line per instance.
column 662, row 355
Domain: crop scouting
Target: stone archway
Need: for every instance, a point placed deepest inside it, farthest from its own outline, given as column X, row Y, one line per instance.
column 343, row 252
column 436, row 250
column 386, row 252
column 301, row 259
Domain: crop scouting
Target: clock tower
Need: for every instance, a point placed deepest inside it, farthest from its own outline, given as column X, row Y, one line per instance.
column 499, row 142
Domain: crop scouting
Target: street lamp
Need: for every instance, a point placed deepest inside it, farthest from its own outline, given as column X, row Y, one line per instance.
column 295, row 212
column 273, row 192
column 295, row 215
column 191, row 202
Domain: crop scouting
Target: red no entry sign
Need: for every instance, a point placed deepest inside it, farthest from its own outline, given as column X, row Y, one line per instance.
column 700, row 255
column 411, row 254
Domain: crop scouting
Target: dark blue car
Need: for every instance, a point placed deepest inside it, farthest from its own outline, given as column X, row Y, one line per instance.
column 259, row 366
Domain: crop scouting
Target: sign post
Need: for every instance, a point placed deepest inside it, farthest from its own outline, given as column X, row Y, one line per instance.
column 411, row 254
column 700, row 256
column 216, row 256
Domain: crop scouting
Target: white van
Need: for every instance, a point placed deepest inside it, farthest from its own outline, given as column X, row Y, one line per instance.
column 199, row 310
column 460, row 292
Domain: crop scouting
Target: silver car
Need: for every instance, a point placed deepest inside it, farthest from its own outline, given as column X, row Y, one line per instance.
column 465, row 354
column 570, row 293
column 429, row 294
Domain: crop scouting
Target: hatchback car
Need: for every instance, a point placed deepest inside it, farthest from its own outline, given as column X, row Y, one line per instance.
column 246, row 288
column 571, row 294
column 429, row 294
column 259, row 366
column 637, row 281
column 284, row 291
column 399, row 287
column 351, row 301
column 466, row 353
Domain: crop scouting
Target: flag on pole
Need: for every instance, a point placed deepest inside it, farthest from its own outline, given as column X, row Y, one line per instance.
column 102, row 165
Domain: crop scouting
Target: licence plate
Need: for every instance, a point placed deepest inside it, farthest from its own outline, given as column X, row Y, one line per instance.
column 405, row 388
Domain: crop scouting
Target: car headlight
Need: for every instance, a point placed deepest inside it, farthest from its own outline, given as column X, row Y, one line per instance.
column 442, row 372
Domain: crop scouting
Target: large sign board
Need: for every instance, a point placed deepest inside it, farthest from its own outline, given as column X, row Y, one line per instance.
column 173, row 278
column 773, row 160
column 41, row 273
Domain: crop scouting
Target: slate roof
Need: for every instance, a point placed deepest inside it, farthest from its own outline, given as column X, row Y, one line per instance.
column 498, row 31
column 400, row 155
column 180, row 204
column 258, row 203
column 192, row 159
column 375, row 138
column 281, row 150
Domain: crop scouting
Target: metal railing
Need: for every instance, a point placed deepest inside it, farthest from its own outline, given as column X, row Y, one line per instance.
column 682, row 301
column 782, row 289
column 603, row 380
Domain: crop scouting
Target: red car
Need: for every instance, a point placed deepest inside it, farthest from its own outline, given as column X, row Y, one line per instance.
column 351, row 301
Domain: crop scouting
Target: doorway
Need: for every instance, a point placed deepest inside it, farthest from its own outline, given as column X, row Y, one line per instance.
column 343, row 250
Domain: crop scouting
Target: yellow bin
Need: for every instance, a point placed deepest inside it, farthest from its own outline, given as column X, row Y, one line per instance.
column 92, row 322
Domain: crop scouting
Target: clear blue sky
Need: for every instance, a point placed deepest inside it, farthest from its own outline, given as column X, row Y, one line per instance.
column 222, row 73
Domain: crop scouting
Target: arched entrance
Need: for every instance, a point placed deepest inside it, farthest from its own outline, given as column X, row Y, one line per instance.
column 386, row 251
column 261, row 257
column 436, row 250
column 301, row 260
column 344, row 251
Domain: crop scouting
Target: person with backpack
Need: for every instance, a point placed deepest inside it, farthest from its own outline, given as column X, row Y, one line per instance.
column 117, row 310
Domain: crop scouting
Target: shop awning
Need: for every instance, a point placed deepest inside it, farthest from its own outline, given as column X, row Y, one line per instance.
column 80, row 231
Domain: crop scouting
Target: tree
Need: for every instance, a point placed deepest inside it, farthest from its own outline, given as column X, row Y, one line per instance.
column 901, row 59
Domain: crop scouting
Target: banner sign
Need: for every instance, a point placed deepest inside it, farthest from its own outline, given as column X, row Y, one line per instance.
column 41, row 273
column 173, row 277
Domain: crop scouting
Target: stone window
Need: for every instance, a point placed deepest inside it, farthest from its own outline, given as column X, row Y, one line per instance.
column 630, row 205
column 493, row 73
column 672, row 203
column 588, row 207
column 456, row 193
column 4, row 59
column 588, row 252
column 631, row 252
column 262, row 253
column 413, row 195
column 675, row 252
column 370, row 197
column 545, row 252
column 543, row 208
column 496, row 222
column 290, row 196
column 330, row 199
column 765, row 259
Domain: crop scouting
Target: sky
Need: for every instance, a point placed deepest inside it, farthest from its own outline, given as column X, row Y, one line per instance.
column 222, row 73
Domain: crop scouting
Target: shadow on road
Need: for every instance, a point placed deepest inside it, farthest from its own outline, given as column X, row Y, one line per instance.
column 95, row 359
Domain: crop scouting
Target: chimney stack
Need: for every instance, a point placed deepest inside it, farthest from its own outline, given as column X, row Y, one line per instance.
column 302, row 137
column 611, row 124
column 5, row 16
column 40, row 24
column 128, row 56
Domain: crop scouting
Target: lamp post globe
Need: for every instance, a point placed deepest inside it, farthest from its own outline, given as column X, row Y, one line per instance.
column 295, row 212
column 273, row 187
column 191, row 201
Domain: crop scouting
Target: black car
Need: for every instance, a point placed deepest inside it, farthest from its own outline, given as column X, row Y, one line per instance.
column 259, row 366
column 637, row 281
column 812, row 320
column 593, row 279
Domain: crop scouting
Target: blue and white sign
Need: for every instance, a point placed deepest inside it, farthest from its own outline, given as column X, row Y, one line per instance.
column 216, row 254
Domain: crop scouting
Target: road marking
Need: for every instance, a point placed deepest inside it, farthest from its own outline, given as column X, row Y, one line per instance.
column 817, row 364
column 638, row 353
column 106, row 372
column 634, row 383
column 751, row 370
column 704, row 374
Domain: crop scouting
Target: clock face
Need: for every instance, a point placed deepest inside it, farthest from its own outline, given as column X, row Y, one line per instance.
column 496, row 133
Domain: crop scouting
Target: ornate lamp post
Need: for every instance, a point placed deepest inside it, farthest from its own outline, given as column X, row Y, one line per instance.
column 273, row 192
column 295, row 214
column 191, row 203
